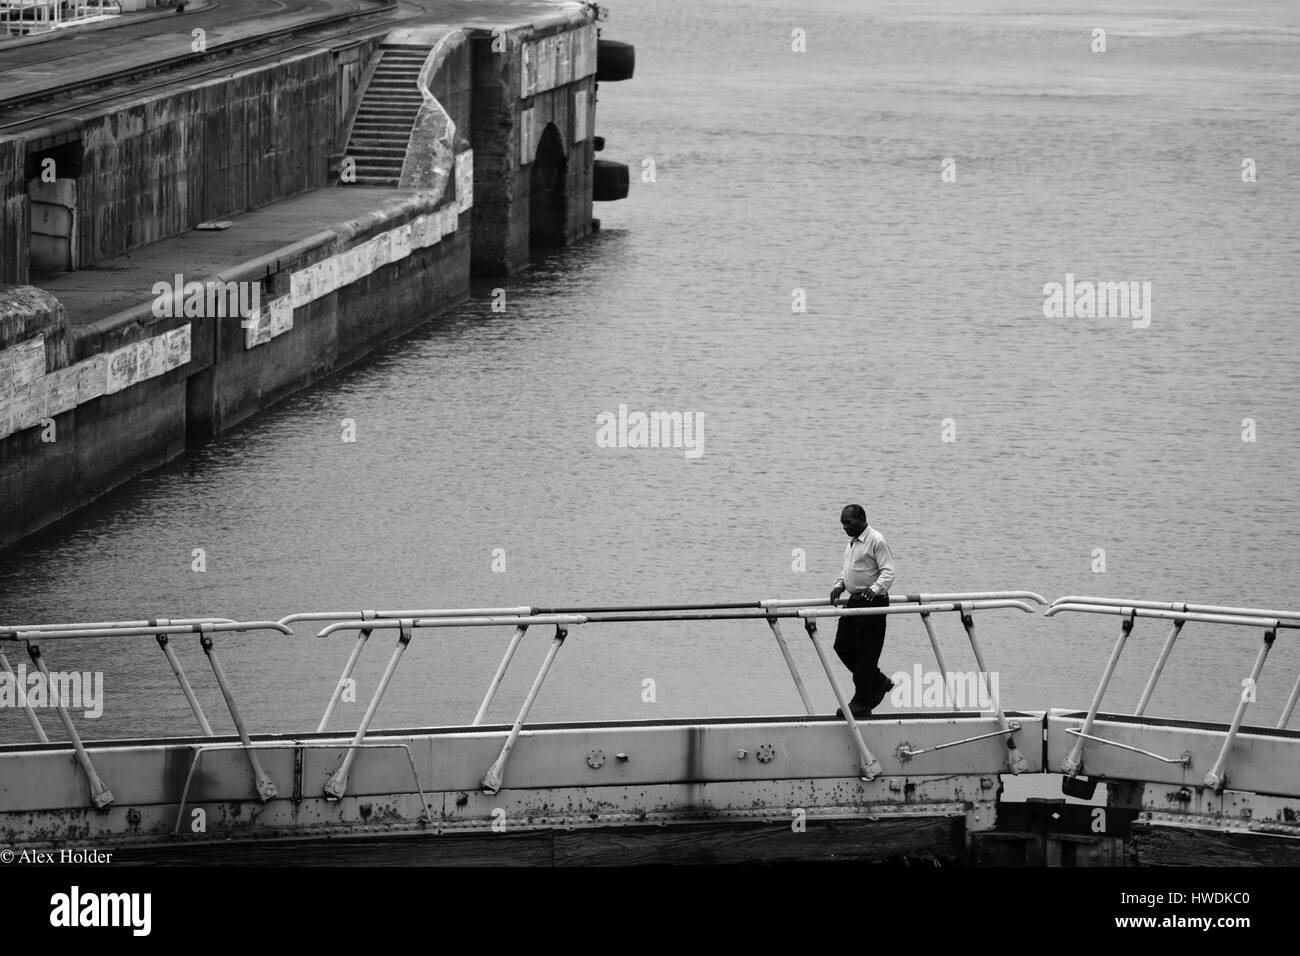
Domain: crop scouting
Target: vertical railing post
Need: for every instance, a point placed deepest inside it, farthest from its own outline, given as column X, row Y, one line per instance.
column 948, row 695
column 500, row 674
column 869, row 766
column 265, row 788
column 1216, row 779
column 337, row 785
column 1071, row 764
column 184, row 681
column 1016, row 762
column 491, row 782
column 27, row 707
column 1290, row 706
column 343, row 678
column 1165, row 651
column 99, row 791
column 789, row 662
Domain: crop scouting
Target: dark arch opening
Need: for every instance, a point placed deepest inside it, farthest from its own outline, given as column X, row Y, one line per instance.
column 548, row 205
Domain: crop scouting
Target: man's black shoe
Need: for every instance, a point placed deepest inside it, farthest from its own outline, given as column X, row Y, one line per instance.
column 877, row 696
column 857, row 710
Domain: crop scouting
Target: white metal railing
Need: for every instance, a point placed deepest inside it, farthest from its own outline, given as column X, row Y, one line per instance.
column 406, row 622
column 1179, row 613
column 161, row 629
column 520, row 618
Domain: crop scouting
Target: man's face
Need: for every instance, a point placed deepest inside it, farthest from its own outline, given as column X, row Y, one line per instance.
column 853, row 526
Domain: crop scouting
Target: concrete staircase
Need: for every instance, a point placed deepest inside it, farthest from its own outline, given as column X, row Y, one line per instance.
column 382, row 126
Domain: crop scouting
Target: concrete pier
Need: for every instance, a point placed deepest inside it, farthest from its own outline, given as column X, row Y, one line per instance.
column 184, row 248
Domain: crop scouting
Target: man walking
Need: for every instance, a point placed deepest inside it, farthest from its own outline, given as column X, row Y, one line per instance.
column 868, row 573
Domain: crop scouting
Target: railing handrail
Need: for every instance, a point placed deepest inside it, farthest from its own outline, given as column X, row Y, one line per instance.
column 41, row 636
column 533, row 611
column 743, row 614
column 1272, row 623
column 150, row 622
column 394, row 615
column 562, row 620
column 1179, row 606
column 921, row 598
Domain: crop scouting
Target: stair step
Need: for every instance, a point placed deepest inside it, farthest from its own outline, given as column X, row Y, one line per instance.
column 369, row 150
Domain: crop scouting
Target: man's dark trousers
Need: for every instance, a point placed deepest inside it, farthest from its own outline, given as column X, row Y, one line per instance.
column 858, row 642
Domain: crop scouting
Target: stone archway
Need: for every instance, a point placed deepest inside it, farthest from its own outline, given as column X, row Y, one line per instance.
column 548, row 200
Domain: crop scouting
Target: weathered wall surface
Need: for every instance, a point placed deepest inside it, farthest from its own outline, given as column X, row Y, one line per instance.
column 14, row 224
column 162, row 166
column 352, row 62
column 437, row 135
column 70, row 428
column 83, row 409
column 542, row 76
column 332, row 300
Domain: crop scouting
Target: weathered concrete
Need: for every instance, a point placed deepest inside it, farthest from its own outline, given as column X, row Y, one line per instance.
column 436, row 136
column 57, row 459
column 15, row 224
column 518, row 94
column 99, row 383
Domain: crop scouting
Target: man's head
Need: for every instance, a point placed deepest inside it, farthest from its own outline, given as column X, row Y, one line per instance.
column 854, row 520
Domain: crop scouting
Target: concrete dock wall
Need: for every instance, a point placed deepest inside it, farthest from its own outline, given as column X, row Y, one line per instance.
column 331, row 300
column 544, row 77
column 89, row 407
column 86, row 406
column 14, row 223
column 160, row 167
column 73, row 430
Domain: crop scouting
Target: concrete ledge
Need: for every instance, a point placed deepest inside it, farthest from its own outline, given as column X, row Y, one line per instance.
column 431, row 150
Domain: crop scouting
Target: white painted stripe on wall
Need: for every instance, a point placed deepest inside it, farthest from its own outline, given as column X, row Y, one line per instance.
column 556, row 60
column 329, row 275
column 25, row 401
column 464, row 180
column 579, row 115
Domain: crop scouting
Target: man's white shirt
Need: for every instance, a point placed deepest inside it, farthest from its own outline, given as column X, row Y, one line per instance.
column 868, row 563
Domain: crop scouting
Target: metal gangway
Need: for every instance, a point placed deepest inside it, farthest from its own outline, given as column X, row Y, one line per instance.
column 406, row 623
column 1181, row 778
column 26, row 17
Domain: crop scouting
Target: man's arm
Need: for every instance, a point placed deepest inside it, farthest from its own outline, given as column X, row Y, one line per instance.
column 838, row 588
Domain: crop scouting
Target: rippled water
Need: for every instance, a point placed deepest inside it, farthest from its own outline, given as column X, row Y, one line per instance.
column 778, row 171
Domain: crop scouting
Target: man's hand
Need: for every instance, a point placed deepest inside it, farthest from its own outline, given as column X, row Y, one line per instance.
column 836, row 592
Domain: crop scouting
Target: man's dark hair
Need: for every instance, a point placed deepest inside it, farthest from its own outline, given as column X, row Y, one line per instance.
column 855, row 511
